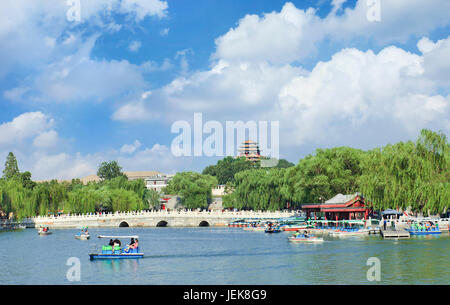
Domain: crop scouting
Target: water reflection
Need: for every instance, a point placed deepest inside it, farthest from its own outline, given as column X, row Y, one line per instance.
column 111, row 266
column 225, row 256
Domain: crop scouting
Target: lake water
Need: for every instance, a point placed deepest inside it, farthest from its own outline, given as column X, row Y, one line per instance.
column 210, row 256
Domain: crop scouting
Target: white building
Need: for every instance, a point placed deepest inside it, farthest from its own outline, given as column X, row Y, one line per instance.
column 157, row 182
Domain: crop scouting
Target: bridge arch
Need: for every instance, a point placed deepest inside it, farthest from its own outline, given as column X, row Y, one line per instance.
column 203, row 223
column 124, row 224
column 162, row 223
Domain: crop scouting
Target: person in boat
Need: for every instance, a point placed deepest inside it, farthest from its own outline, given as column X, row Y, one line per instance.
column 114, row 243
column 133, row 245
column 305, row 233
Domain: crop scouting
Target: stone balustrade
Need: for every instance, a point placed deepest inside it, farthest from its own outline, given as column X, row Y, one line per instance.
column 154, row 218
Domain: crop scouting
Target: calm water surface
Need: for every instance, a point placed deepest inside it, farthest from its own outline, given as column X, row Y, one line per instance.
column 223, row 256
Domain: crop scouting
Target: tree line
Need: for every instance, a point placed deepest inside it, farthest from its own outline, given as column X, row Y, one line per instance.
column 404, row 175
column 24, row 197
column 413, row 174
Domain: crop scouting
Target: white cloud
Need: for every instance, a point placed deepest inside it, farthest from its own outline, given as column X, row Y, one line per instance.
column 134, row 111
column 294, row 34
column 362, row 90
column 46, row 139
column 24, row 126
column 436, row 60
column 77, row 77
column 164, row 32
column 143, row 8
column 130, row 148
column 30, row 30
column 31, row 137
column 352, row 98
column 134, row 46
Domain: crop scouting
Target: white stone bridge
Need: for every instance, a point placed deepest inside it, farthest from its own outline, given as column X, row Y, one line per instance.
column 175, row 218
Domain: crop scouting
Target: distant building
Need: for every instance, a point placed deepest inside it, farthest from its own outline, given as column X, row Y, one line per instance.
column 157, row 182
column 250, row 150
column 340, row 207
column 154, row 180
column 218, row 190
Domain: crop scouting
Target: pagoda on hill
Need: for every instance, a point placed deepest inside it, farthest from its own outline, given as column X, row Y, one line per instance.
column 250, row 150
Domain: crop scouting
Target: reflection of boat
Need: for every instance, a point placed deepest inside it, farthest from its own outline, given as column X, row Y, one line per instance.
column 350, row 232
column 272, row 230
column 303, row 238
column 108, row 252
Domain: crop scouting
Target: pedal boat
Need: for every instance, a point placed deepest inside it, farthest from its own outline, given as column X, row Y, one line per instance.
column 82, row 236
column 43, row 233
column 108, row 252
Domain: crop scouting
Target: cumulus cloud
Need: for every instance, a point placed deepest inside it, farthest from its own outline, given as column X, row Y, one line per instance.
column 24, row 126
column 356, row 90
column 352, row 98
column 33, row 139
column 294, row 34
column 34, row 32
column 46, row 139
column 77, row 77
column 130, row 148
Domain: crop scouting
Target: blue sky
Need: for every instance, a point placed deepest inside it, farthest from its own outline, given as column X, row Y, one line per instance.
column 109, row 86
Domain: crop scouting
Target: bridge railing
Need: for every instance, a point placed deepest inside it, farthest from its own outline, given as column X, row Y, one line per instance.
column 162, row 213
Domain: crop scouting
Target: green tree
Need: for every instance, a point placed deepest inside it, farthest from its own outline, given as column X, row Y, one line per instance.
column 226, row 168
column 11, row 168
column 26, row 180
column 109, row 170
column 283, row 163
column 194, row 189
column 409, row 175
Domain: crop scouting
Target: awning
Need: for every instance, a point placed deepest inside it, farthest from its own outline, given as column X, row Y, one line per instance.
column 391, row 212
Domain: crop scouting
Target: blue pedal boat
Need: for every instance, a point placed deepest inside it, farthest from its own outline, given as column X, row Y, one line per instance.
column 423, row 232
column 118, row 252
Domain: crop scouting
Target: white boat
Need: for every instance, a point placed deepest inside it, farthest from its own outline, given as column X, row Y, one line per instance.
column 82, row 236
column 44, row 231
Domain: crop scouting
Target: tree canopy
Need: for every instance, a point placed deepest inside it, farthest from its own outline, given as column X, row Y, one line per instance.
column 24, row 197
column 109, row 170
column 194, row 189
column 11, row 168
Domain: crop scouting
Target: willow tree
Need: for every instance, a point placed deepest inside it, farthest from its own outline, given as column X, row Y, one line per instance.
column 409, row 175
column 257, row 189
column 321, row 176
column 194, row 189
